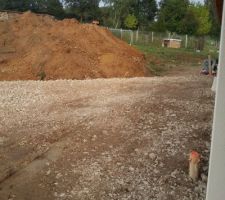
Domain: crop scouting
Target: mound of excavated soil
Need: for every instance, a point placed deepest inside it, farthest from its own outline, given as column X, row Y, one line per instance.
column 38, row 46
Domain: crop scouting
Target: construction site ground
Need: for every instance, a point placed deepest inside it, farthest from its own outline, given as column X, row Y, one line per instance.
column 105, row 139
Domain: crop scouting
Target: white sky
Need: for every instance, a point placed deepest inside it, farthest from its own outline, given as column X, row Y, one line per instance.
column 201, row 1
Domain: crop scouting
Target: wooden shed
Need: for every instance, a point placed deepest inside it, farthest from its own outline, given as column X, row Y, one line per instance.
column 171, row 43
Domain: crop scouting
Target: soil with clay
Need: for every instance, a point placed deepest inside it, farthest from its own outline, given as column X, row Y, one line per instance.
column 34, row 47
column 104, row 138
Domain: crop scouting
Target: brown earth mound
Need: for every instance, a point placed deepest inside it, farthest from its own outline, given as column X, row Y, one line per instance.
column 39, row 47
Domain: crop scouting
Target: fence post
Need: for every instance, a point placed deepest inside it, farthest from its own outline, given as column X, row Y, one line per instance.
column 121, row 33
column 146, row 38
column 210, row 66
column 137, row 35
column 152, row 36
column 186, row 41
column 131, row 37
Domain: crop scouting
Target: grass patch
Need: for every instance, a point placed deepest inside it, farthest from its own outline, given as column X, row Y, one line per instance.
column 162, row 60
column 41, row 75
column 156, row 69
column 177, row 55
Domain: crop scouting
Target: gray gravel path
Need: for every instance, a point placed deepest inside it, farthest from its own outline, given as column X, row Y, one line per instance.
column 104, row 139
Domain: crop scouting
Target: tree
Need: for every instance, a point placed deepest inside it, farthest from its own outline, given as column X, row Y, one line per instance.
column 86, row 9
column 2, row 4
column 53, row 7
column 106, row 18
column 13, row 5
column 201, row 13
column 119, row 9
column 172, row 12
column 215, row 28
column 146, row 12
column 189, row 24
column 159, row 25
column 131, row 22
column 143, row 10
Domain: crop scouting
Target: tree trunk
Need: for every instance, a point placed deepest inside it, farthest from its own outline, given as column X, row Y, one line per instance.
column 114, row 21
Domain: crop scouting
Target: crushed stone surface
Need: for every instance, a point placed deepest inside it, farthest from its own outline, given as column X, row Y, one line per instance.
column 104, row 138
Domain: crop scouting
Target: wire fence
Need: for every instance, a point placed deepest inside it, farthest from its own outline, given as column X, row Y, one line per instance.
column 156, row 39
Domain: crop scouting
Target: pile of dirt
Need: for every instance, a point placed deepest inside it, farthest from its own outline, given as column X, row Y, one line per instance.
column 40, row 47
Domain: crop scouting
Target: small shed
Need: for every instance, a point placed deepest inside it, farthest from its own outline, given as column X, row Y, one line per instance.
column 171, row 43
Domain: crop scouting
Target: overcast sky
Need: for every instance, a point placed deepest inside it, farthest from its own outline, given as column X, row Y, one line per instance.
column 201, row 1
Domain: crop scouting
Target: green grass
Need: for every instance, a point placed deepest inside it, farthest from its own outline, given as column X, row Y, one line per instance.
column 172, row 54
column 162, row 60
column 157, row 70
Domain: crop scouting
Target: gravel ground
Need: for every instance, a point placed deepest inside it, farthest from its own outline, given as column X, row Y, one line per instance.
column 104, row 139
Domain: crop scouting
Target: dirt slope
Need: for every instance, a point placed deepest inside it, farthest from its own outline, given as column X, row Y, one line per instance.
column 32, row 46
